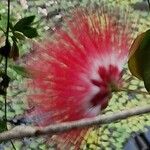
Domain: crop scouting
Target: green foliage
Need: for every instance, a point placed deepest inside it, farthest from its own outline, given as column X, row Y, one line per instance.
column 29, row 32
column 14, row 53
column 132, row 63
column 24, row 26
column 22, row 29
column 139, row 63
column 26, row 21
column 19, row 35
column 3, row 126
column 20, row 70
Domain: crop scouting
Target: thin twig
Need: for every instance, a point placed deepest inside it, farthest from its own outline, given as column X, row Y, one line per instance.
column 20, row 132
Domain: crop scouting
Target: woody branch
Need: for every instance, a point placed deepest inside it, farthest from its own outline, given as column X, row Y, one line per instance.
column 22, row 131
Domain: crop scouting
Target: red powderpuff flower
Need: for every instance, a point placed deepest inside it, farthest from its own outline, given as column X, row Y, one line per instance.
column 75, row 74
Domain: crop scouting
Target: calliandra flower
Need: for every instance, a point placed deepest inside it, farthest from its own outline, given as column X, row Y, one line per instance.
column 76, row 72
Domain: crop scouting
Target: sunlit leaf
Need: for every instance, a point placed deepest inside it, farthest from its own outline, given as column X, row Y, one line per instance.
column 139, row 62
column 132, row 63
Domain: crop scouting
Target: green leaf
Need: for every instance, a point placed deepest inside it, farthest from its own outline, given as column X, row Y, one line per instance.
column 19, row 35
column 141, row 58
column 29, row 32
column 20, row 70
column 145, row 60
column 132, row 63
column 27, row 21
column 23, row 28
column 11, row 26
column 14, row 53
column 3, row 126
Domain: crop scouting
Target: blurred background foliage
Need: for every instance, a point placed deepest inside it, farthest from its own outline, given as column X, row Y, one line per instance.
column 113, row 136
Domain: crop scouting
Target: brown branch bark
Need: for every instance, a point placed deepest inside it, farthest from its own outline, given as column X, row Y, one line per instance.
column 20, row 132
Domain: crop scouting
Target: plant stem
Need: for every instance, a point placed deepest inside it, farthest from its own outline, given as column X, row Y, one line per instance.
column 5, row 96
column 6, row 59
column 6, row 65
column 8, row 18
